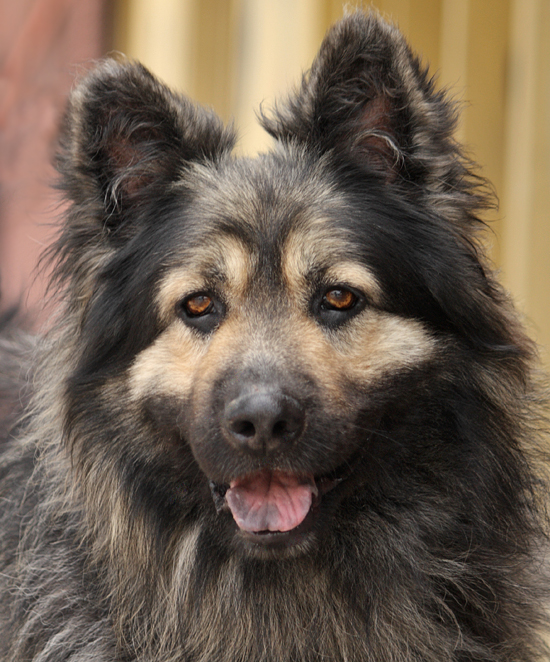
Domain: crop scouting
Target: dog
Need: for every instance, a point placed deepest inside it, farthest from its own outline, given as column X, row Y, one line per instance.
column 285, row 412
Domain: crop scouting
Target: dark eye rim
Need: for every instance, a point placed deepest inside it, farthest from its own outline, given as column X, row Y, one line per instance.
column 332, row 316
column 206, row 320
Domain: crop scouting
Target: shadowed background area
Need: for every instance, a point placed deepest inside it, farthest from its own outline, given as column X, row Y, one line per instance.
column 237, row 54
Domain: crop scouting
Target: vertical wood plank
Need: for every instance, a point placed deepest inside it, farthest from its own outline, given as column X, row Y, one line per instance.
column 526, row 229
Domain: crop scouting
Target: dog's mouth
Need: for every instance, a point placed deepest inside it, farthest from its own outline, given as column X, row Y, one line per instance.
column 272, row 506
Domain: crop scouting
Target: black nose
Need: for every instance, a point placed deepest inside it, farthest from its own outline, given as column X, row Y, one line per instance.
column 262, row 421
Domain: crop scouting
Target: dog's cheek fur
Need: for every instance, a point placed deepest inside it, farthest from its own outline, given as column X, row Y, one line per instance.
column 378, row 344
column 170, row 365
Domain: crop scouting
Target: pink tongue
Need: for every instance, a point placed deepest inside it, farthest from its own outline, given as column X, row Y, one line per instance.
column 270, row 500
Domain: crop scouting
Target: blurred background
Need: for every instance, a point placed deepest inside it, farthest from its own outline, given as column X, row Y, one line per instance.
column 233, row 55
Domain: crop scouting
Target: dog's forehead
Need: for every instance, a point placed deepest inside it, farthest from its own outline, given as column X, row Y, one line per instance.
column 270, row 210
column 271, row 226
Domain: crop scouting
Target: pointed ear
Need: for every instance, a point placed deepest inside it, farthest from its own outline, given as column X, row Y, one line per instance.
column 367, row 97
column 126, row 137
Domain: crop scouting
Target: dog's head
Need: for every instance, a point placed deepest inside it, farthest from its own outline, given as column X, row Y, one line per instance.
column 272, row 331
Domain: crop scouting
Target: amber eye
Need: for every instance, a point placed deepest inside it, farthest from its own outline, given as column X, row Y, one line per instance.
column 201, row 311
column 198, row 305
column 336, row 305
column 339, row 299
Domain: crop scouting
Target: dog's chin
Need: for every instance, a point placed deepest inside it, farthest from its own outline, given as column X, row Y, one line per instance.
column 270, row 543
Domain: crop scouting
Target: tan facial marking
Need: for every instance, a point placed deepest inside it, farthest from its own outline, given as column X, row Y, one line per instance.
column 238, row 265
column 364, row 349
column 171, row 363
column 168, row 365
column 376, row 343
column 227, row 253
column 316, row 245
column 369, row 345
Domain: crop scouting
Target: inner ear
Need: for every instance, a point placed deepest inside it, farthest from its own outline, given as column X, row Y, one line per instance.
column 133, row 163
column 373, row 136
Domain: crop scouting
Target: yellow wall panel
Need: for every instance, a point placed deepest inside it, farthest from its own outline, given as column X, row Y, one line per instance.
column 216, row 50
column 453, row 57
column 420, row 22
column 539, row 262
column 161, row 35
column 526, row 231
column 485, row 109
column 277, row 41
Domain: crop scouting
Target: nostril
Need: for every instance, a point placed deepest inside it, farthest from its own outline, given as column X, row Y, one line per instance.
column 243, row 428
column 280, row 429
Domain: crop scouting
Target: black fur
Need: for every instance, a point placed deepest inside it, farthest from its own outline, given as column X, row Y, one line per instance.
column 416, row 409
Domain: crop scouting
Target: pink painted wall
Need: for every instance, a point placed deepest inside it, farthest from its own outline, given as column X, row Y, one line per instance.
column 44, row 44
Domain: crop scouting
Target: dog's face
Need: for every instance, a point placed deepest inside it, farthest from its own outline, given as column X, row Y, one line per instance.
column 277, row 341
column 251, row 333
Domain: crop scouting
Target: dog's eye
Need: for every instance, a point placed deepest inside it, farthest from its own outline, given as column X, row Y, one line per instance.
column 200, row 304
column 201, row 310
column 339, row 299
column 338, row 304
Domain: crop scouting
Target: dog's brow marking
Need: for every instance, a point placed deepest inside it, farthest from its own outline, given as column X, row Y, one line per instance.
column 304, row 249
column 316, row 246
column 236, row 266
column 357, row 275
